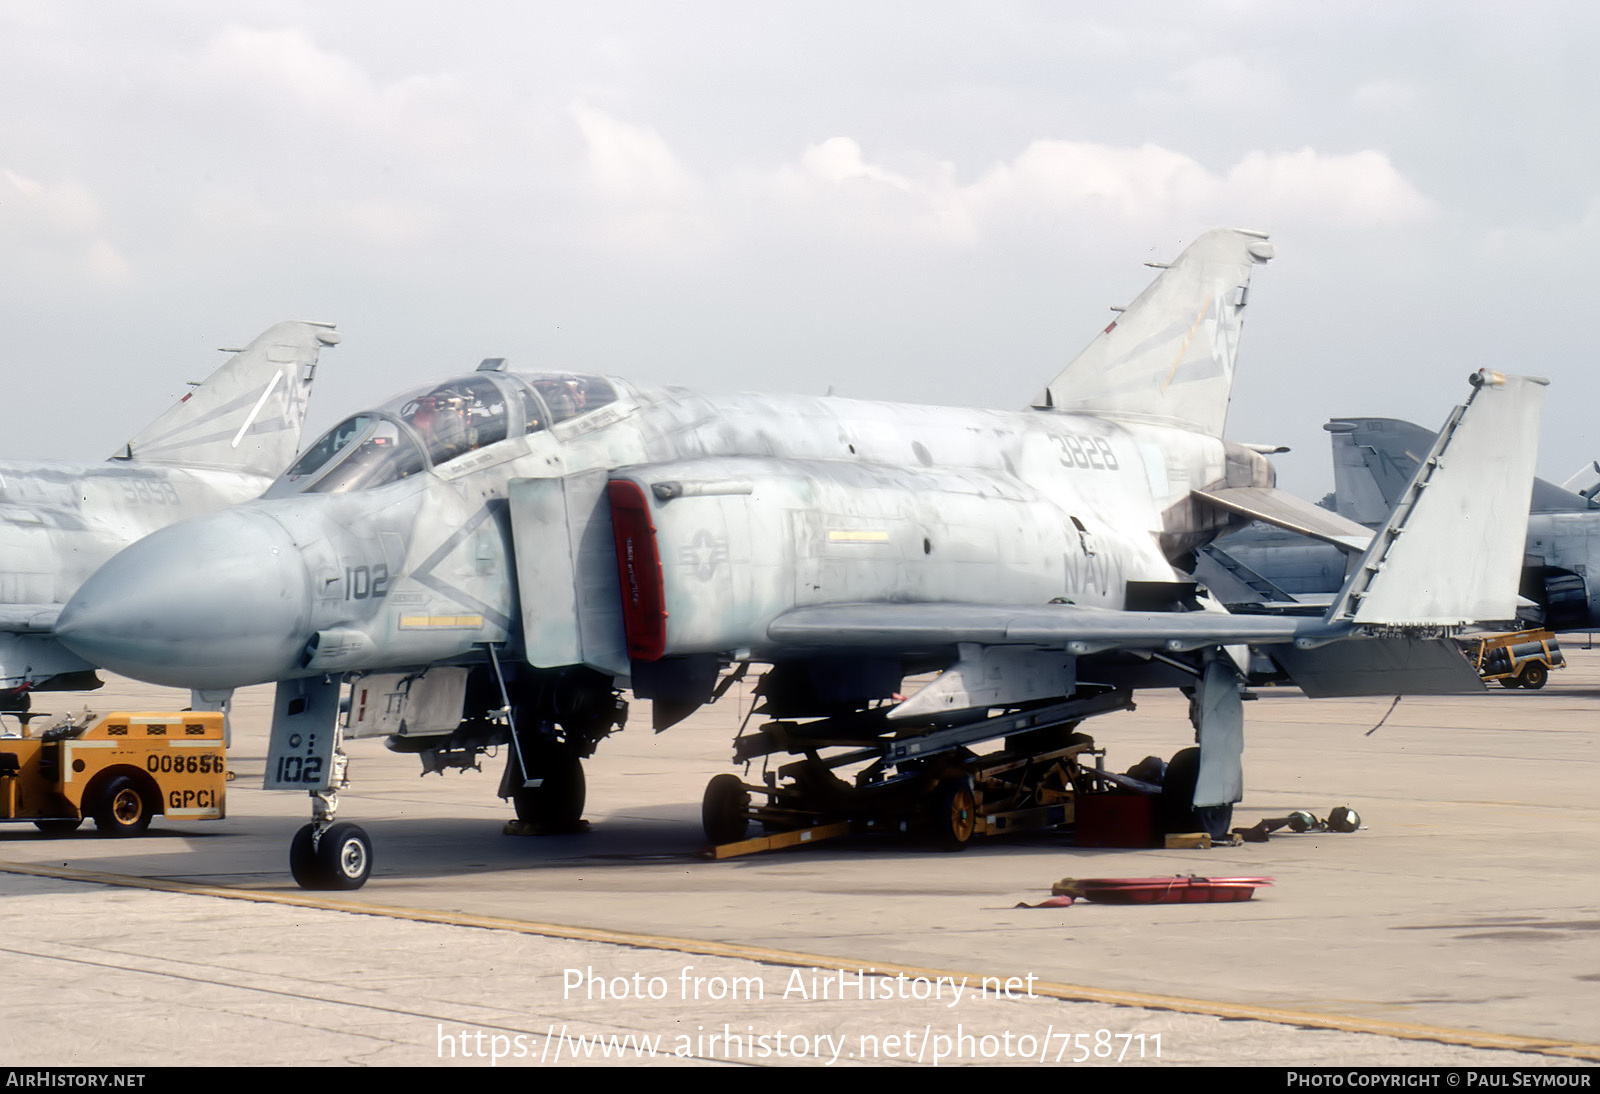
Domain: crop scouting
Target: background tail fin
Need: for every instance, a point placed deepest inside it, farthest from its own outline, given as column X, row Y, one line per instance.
column 1374, row 460
column 1169, row 357
column 247, row 414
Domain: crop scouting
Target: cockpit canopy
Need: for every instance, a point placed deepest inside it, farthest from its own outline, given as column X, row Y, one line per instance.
column 434, row 425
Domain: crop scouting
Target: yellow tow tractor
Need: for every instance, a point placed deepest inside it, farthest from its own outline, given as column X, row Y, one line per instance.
column 121, row 770
column 1522, row 659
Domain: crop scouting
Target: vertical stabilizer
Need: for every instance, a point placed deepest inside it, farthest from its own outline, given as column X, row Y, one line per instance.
column 1451, row 551
column 1169, row 356
column 1374, row 460
column 246, row 416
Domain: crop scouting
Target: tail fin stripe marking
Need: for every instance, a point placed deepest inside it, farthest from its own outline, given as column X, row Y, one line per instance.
column 1183, row 350
column 188, row 424
column 261, row 402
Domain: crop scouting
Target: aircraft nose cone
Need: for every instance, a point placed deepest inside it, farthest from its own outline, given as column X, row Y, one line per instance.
column 218, row 602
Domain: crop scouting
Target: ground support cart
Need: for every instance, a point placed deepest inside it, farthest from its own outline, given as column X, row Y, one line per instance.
column 122, row 771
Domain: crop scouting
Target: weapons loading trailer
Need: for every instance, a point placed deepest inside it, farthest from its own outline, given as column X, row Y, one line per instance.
column 920, row 779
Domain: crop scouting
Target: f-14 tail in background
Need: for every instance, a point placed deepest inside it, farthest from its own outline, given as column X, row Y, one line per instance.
column 1374, row 459
column 222, row 443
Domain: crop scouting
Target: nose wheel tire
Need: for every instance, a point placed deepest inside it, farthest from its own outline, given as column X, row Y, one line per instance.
column 124, row 809
column 341, row 859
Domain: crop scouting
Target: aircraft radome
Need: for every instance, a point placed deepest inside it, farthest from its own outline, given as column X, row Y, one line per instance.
column 223, row 443
column 492, row 559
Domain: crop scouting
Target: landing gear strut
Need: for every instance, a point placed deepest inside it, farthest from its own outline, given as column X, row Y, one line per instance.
column 557, row 720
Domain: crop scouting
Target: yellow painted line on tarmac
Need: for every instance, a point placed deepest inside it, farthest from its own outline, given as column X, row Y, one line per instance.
column 766, row 955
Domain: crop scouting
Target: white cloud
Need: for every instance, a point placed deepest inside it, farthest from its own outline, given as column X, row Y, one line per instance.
column 68, row 207
column 1361, row 189
column 646, row 197
column 629, row 162
column 838, row 159
column 288, row 77
column 288, row 63
column 1091, row 178
column 1067, row 184
column 60, row 224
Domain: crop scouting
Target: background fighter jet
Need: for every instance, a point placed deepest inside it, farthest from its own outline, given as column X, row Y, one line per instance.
column 1373, row 460
column 222, row 443
column 491, row 559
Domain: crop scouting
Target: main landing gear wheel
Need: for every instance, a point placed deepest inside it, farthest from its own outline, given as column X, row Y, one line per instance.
column 1177, row 809
column 1534, row 675
column 725, row 810
column 341, row 859
column 124, row 809
column 556, row 805
column 955, row 814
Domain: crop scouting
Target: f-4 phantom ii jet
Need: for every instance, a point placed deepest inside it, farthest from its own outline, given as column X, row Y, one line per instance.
column 223, row 443
column 493, row 558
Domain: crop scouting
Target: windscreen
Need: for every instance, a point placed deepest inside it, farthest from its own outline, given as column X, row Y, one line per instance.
column 321, row 454
column 384, row 455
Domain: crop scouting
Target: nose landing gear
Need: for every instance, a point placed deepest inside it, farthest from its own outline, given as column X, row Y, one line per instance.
column 339, row 857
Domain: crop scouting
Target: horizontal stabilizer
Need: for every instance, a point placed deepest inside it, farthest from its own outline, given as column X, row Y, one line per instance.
column 1284, row 510
column 1451, row 551
column 1379, row 666
column 1585, row 482
column 245, row 416
column 1169, row 356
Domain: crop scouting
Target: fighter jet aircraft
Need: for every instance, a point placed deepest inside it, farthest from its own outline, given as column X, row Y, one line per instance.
column 222, row 443
column 492, row 559
column 1374, row 459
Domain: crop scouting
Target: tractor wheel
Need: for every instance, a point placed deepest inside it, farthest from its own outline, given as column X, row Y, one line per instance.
column 124, row 808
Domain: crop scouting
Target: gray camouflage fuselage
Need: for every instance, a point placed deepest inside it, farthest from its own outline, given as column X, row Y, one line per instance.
column 846, row 501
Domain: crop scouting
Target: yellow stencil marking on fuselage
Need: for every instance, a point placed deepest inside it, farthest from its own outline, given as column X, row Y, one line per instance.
column 418, row 622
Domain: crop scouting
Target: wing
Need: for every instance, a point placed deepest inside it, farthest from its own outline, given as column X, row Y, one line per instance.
column 1076, row 629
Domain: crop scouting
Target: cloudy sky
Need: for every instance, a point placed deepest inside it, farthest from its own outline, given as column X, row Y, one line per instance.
column 931, row 201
